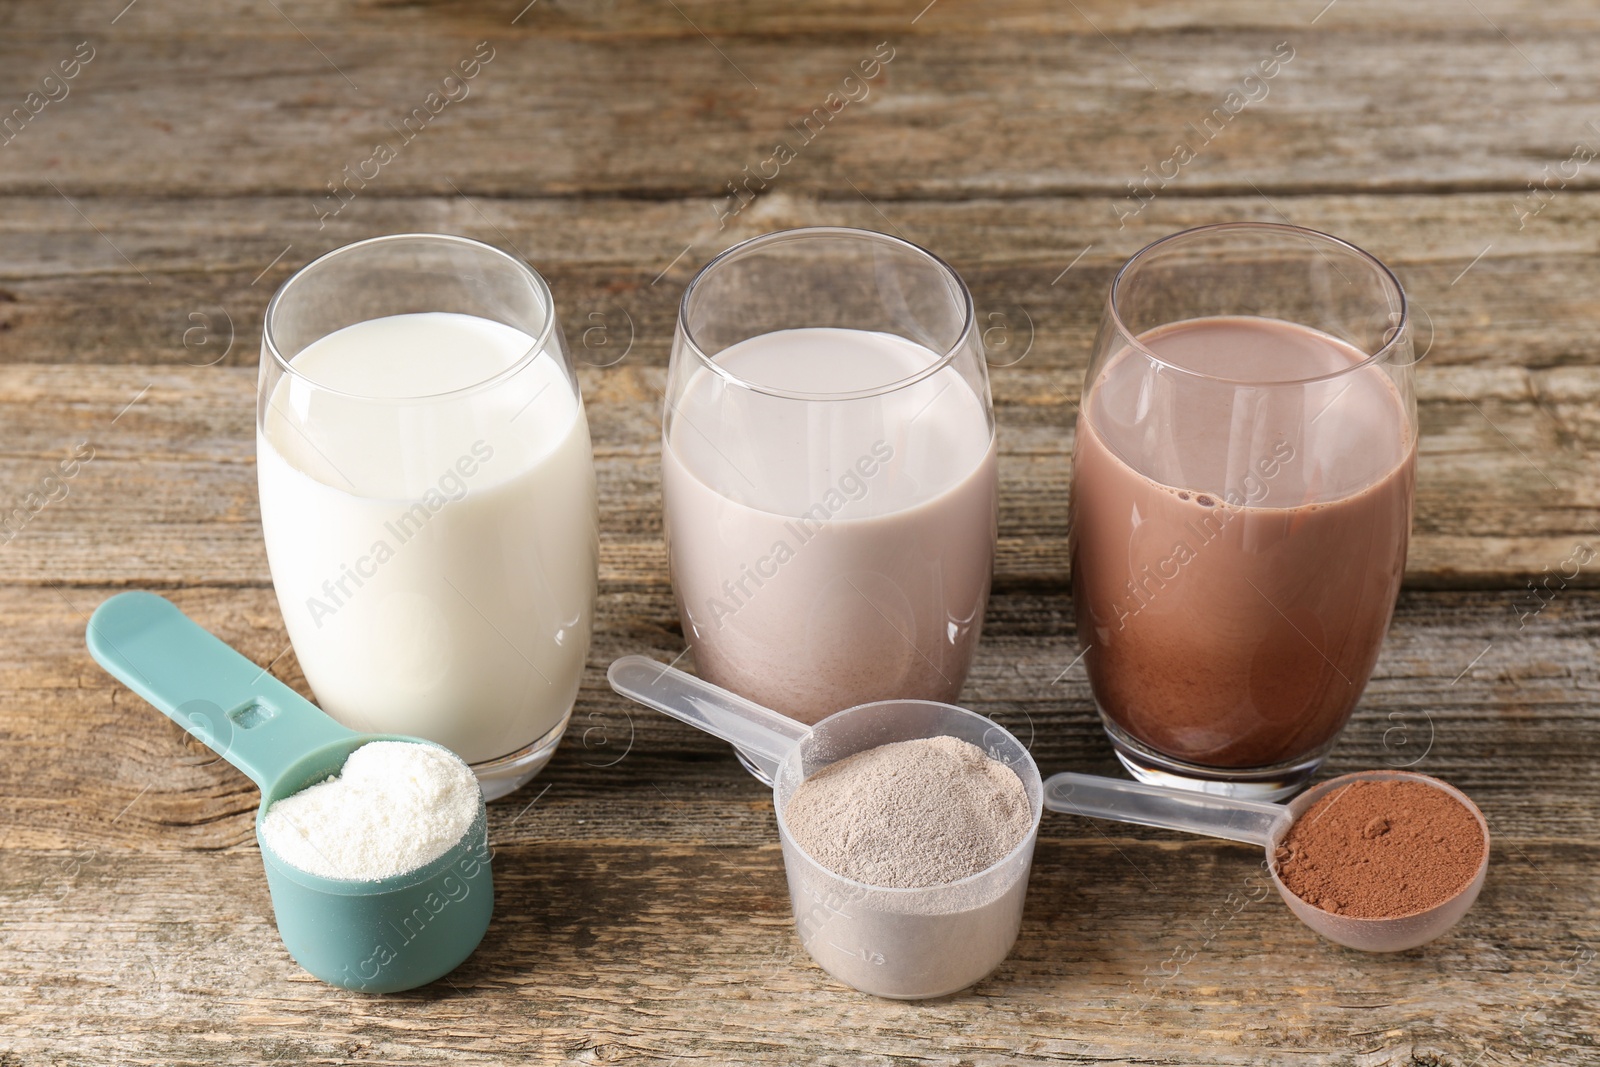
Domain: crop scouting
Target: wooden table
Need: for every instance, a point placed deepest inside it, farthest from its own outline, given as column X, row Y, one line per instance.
column 155, row 200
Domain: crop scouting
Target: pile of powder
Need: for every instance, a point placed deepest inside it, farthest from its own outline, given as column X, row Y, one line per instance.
column 395, row 806
column 1381, row 850
column 911, row 814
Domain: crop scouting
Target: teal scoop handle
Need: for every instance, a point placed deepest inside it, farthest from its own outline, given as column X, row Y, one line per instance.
column 234, row 706
column 373, row 935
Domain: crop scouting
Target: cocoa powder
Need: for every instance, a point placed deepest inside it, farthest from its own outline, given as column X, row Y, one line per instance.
column 1381, row 850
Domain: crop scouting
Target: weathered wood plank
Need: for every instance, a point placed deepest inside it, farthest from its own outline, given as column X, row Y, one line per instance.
column 638, row 890
column 619, row 19
column 197, row 277
column 1467, row 688
column 649, row 953
column 173, row 474
column 975, row 101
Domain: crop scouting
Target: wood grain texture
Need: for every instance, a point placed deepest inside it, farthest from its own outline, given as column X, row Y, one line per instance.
column 146, row 218
column 1465, row 686
column 247, row 98
column 174, row 283
column 639, row 952
column 1508, row 482
column 641, row 913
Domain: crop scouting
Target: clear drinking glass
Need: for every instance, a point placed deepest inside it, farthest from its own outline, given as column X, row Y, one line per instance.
column 428, row 497
column 1242, row 488
column 828, row 472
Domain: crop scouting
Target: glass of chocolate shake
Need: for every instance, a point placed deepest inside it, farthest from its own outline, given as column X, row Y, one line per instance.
column 1242, row 489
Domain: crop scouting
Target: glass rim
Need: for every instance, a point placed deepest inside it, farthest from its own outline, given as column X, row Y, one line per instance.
column 1010, row 857
column 537, row 283
column 948, row 356
column 1395, row 333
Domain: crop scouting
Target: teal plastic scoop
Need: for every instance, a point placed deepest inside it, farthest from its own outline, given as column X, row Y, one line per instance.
column 376, row 936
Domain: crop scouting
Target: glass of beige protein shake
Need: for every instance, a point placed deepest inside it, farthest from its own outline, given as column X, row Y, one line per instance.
column 828, row 472
column 1242, row 489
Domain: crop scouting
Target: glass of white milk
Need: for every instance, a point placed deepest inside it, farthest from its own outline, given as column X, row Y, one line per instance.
column 828, row 472
column 428, row 497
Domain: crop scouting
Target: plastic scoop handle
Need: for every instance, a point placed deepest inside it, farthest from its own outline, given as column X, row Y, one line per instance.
column 233, row 705
column 765, row 736
column 1230, row 818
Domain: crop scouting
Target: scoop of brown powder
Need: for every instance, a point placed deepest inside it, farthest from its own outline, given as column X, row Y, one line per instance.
column 911, row 814
column 1381, row 850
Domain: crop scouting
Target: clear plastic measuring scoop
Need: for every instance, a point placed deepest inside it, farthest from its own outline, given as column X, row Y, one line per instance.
column 905, row 944
column 1261, row 823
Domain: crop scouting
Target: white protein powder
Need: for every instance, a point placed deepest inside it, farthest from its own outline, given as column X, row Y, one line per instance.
column 396, row 806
